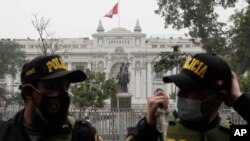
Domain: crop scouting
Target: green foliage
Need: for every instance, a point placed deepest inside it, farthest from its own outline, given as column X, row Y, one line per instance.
column 172, row 95
column 10, row 98
column 169, row 60
column 245, row 82
column 11, row 57
column 2, row 93
column 199, row 17
column 93, row 91
column 240, row 35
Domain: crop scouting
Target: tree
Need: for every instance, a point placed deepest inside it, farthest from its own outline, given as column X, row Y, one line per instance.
column 2, row 95
column 47, row 43
column 93, row 91
column 169, row 60
column 240, row 43
column 11, row 59
column 14, row 99
column 199, row 17
column 244, row 81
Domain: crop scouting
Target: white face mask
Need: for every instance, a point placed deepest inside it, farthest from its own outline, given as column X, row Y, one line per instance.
column 190, row 109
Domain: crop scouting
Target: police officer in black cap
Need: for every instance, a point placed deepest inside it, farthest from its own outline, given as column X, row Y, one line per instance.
column 205, row 82
column 45, row 84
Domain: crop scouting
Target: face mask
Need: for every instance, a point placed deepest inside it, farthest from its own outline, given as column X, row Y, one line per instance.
column 54, row 110
column 189, row 109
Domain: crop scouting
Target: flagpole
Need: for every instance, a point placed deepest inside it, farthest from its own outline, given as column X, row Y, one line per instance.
column 119, row 7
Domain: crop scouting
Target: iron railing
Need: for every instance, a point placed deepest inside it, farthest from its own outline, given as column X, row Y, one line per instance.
column 112, row 124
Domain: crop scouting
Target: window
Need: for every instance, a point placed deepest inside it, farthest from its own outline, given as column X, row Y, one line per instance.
column 64, row 46
column 100, row 41
column 154, row 46
column 75, row 46
column 162, row 46
column 158, row 75
column 100, row 66
column 83, row 46
column 78, row 65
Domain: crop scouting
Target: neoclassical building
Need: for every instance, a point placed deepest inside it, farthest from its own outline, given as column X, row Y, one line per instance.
column 108, row 49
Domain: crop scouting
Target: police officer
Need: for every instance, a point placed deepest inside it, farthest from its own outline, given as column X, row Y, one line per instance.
column 45, row 84
column 205, row 82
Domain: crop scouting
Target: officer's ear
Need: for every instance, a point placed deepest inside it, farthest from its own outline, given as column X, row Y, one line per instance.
column 27, row 90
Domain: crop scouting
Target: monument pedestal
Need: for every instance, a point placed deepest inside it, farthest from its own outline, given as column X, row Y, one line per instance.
column 122, row 101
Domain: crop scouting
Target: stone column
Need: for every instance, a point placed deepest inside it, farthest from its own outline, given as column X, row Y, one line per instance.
column 69, row 65
column 138, row 81
column 149, row 79
column 89, row 65
column 108, row 67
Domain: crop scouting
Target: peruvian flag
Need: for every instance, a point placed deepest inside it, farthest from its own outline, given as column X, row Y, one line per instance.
column 112, row 11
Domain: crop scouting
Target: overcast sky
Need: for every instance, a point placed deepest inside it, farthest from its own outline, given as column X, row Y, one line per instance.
column 79, row 18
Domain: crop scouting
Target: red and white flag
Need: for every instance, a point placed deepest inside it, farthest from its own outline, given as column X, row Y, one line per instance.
column 112, row 11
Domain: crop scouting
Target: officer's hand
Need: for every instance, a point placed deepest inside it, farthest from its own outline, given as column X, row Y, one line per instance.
column 159, row 99
column 235, row 91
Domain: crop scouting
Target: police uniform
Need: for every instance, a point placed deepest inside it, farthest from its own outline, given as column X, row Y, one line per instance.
column 242, row 105
column 177, row 131
column 14, row 130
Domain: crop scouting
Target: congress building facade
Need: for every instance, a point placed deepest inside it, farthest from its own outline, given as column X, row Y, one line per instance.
column 108, row 49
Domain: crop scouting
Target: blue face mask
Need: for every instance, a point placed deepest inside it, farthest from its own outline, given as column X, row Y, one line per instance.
column 190, row 109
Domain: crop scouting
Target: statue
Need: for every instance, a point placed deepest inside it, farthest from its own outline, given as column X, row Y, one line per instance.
column 123, row 78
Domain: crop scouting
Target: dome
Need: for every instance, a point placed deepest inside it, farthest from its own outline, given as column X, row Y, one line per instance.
column 119, row 30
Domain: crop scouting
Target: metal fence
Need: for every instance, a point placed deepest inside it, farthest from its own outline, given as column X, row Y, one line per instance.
column 112, row 124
